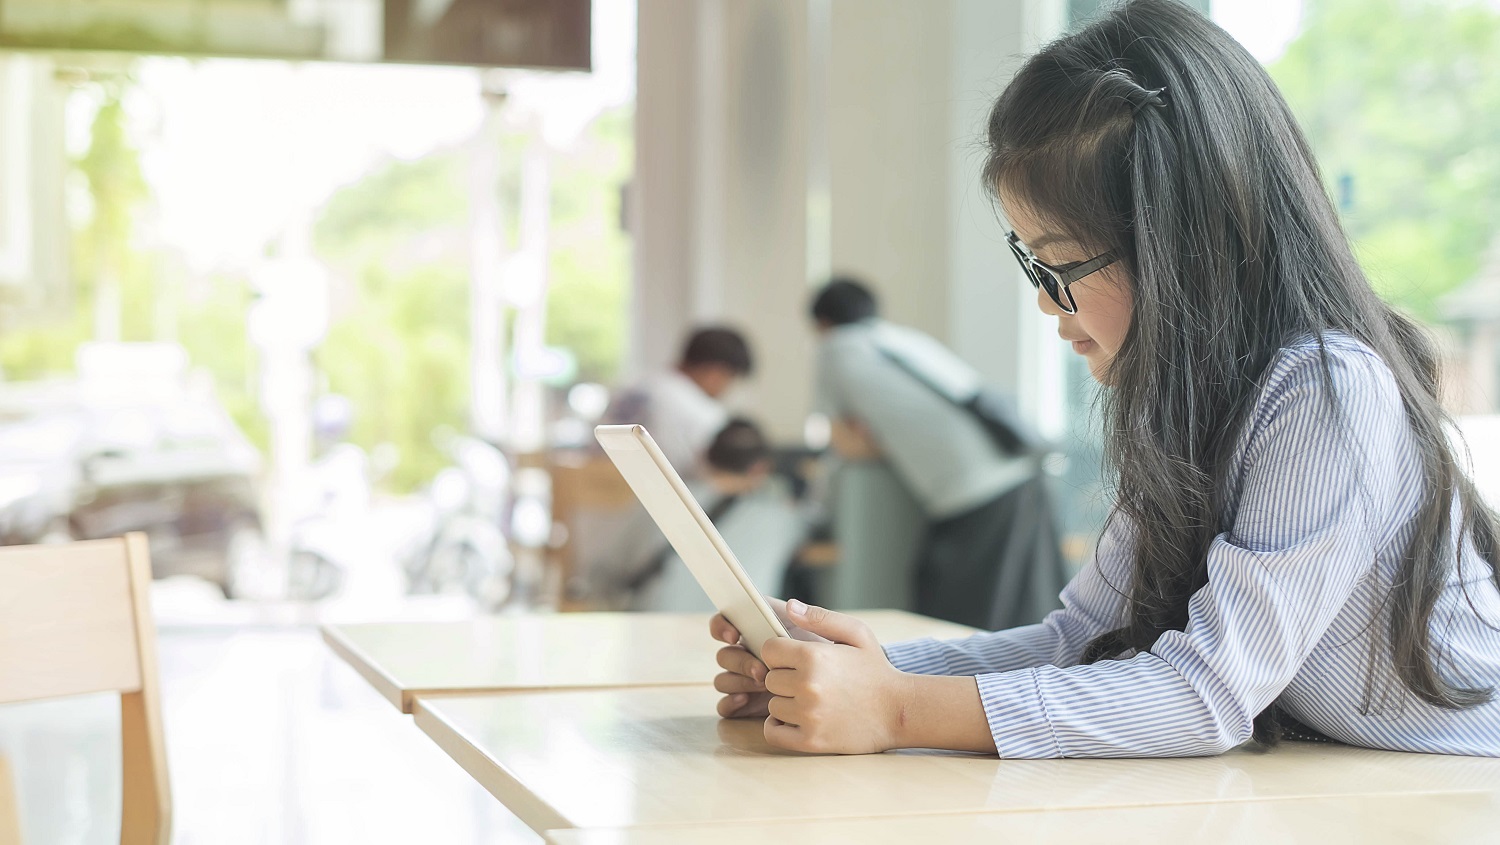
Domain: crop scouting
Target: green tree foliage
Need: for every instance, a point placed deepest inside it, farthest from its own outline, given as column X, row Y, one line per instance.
column 404, row 199
column 206, row 316
column 399, row 243
column 1401, row 102
column 589, row 262
column 43, row 346
column 211, row 326
column 112, row 168
column 400, row 354
column 398, row 342
column 100, row 249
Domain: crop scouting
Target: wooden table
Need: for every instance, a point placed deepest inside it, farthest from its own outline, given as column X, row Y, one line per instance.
column 600, row 728
column 557, row 650
column 633, row 757
column 1458, row 817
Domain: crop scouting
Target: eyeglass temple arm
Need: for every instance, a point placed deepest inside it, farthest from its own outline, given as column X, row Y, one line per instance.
column 1074, row 272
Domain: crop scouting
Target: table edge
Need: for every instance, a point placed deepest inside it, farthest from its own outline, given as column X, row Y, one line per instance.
column 527, row 806
column 799, row 820
column 351, row 654
column 337, row 638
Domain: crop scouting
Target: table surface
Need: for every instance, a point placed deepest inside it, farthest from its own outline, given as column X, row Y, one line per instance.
column 1458, row 817
column 622, row 758
column 557, row 651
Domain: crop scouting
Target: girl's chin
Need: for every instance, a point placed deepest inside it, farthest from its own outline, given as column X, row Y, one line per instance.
column 1099, row 368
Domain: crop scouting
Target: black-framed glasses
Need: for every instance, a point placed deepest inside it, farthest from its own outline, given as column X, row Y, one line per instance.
column 1055, row 280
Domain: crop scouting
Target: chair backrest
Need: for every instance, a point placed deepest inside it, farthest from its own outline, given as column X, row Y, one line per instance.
column 581, row 487
column 76, row 619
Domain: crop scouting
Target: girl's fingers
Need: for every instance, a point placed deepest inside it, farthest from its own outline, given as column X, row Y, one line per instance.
column 744, row 706
column 729, row 705
column 784, row 710
column 733, row 682
column 782, row 735
column 740, row 661
column 723, row 630
column 781, row 682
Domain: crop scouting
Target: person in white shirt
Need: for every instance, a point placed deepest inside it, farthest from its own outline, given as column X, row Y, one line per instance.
column 989, row 556
column 681, row 406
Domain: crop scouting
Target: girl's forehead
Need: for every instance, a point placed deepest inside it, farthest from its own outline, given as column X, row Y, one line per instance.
column 1033, row 231
column 1016, row 213
column 1042, row 235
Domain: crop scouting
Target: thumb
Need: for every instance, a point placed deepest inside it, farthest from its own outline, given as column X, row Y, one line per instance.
column 827, row 623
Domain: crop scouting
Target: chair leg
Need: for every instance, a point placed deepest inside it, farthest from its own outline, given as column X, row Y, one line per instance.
column 10, row 815
column 146, row 812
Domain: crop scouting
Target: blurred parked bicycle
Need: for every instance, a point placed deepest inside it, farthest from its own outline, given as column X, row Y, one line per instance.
column 466, row 550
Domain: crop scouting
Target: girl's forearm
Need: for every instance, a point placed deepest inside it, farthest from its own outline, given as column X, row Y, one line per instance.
column 942, row 711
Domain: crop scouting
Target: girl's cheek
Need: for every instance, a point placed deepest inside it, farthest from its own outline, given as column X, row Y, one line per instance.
column 1112, row 306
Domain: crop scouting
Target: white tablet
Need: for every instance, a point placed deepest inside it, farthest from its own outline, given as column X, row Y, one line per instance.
column 691, row 533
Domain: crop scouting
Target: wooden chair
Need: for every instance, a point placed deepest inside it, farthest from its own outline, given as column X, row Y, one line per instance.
column 76, row 619
column 581, row 485
column 10, row 817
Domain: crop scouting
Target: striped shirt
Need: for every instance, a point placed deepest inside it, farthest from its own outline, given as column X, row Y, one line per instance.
column 1318, row 523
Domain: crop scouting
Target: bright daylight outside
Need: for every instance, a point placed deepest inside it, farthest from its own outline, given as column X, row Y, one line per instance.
column 329, row 312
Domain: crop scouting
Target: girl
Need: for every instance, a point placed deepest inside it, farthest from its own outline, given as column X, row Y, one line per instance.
column 1294, row 546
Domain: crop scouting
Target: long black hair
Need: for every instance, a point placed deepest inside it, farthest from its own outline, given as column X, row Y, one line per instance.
column 1154, row 134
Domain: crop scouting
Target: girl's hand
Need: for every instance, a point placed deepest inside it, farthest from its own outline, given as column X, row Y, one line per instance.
column 743, row 681
column 841, row 697
column 837, row 693
column 852, row 441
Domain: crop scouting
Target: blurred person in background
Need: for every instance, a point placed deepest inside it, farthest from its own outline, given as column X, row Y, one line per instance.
column 989, row 554
column 681, row 406
column 752, row 509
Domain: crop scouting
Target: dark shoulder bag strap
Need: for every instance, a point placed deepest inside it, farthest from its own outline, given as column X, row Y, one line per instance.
column 658, row 562
column 1002, row 424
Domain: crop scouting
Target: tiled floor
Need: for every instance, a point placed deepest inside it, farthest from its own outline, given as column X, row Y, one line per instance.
column 271, row 740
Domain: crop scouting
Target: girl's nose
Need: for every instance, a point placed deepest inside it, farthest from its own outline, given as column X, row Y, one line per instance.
column 1044, row 302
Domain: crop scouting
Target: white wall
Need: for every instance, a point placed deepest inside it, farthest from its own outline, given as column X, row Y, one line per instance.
column 994, row 321
column 754, row 265
column 889, row 144
column 660, row 209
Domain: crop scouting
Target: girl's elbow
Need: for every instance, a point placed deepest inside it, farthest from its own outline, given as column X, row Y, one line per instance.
column 1233, row 727
column 1228, row 742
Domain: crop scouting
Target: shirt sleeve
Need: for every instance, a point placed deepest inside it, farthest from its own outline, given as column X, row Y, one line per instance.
column 1092, row 604
column 827, row 399
column 1316, row 497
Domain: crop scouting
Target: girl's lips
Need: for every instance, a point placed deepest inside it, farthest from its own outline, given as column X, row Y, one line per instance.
column 1084, row 347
